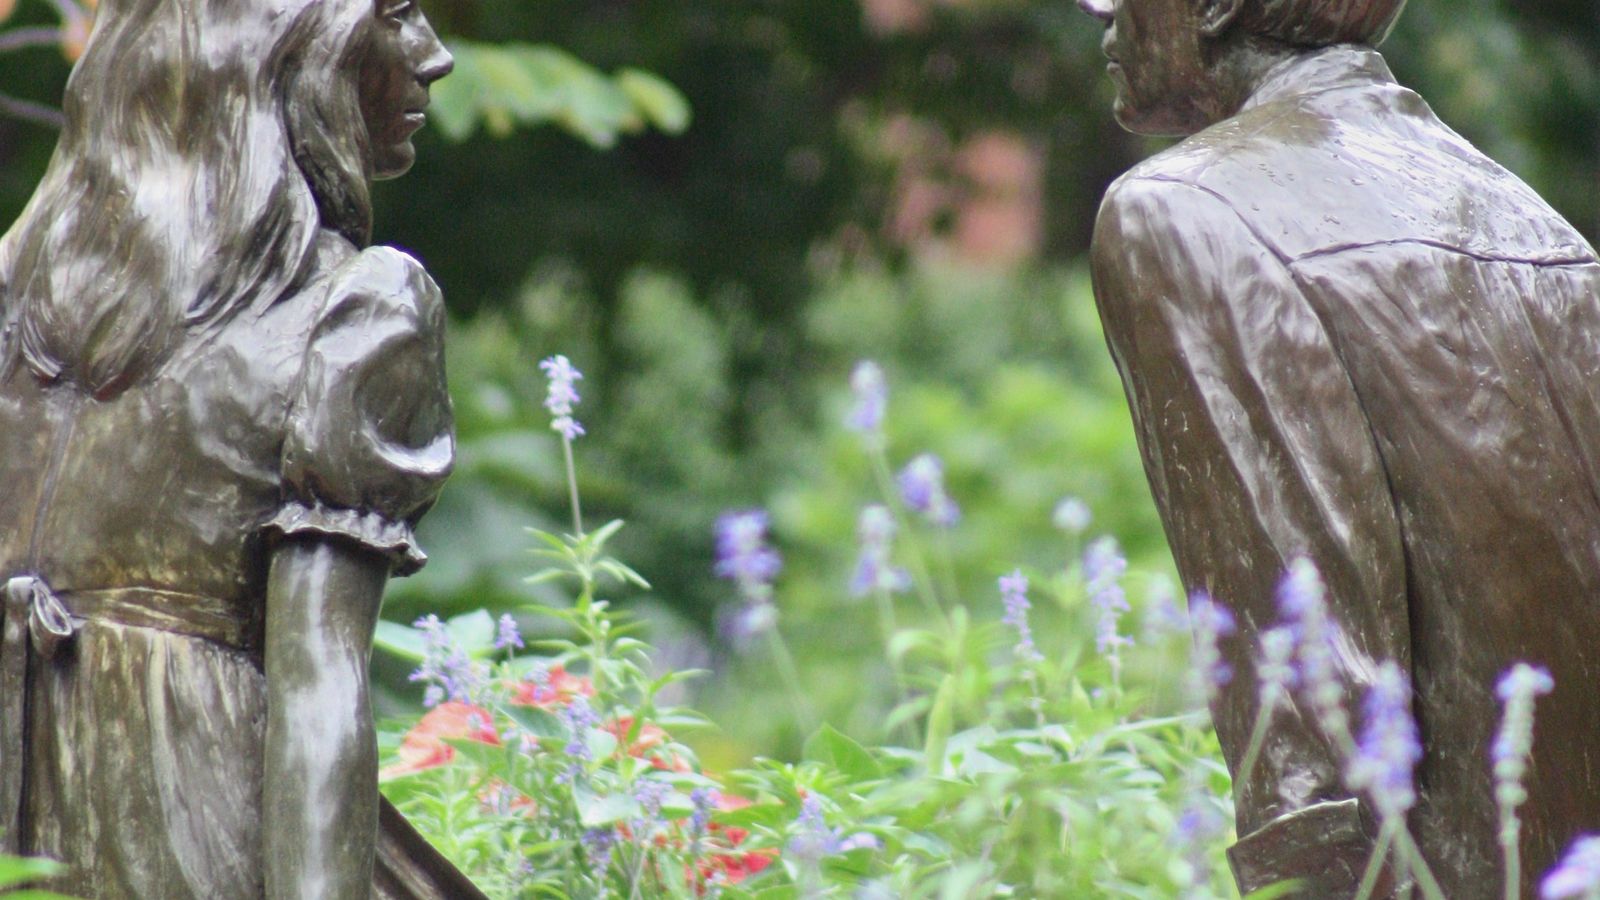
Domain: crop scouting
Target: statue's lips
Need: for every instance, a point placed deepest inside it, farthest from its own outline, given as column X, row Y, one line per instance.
column 413, row 121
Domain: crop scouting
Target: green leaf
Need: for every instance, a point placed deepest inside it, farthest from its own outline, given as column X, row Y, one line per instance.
column 595, row 810
column 473, row 632
column 940, row 722
column 14, row 870
column 1273, row 891
column 661, row 103
column 402, row 641
column 541, row 723
column 503, row 86
column 836, row 749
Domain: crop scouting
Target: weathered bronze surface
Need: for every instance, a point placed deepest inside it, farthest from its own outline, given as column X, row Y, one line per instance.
column 1346, row 333
column 220, row 418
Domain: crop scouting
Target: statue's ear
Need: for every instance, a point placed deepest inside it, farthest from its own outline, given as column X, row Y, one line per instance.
column 1217, row 15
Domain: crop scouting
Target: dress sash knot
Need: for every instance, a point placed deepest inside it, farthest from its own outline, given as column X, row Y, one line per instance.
column 35, row 621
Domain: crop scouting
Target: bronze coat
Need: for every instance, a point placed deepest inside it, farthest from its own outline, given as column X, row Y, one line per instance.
column 1346, row 333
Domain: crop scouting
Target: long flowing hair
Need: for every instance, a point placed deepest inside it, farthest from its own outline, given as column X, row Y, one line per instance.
column 206, row 143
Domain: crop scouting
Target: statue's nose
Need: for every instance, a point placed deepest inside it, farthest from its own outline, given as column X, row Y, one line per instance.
column 1100, row 9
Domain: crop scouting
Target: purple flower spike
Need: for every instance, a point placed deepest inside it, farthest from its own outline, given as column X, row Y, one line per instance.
column 874, row 572
column 1014, row 594
column 1578, row 875
column 1103, row 567
column 1512, row 745
column 743, row 555
column 507, row 635
column 563, row 395
column 815, row 841
column 704, row 801
column 1072, row 516
column 871, row 391
column 1275, row 672
column 446, row 669
column 597, row 844
column 1302, row 601
column 922, row 488
column 1387, row 754
column 1211, row 623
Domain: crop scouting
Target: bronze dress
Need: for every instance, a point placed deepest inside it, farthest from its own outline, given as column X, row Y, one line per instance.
column 149, row 519
column 1345, row 332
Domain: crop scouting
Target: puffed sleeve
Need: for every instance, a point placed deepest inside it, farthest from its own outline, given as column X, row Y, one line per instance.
column 1257, row 450
column 370, row 436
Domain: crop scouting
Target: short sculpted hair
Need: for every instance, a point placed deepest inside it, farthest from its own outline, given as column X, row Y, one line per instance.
column 1318, row 23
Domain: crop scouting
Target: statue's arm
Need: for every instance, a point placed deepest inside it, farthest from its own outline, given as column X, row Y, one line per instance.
column 320, row 800
column 1257, row 450
column 369, row 443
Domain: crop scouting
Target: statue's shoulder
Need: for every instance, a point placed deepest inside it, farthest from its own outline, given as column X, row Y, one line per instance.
column 378, row 284
column 1314, row 173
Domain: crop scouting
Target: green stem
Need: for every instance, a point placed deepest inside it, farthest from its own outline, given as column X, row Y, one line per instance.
column 572, row 488
column 919, row 565
column 791, row 678
column 1369, row 879
column 1511, row 849
column 1258, row 737
column 886, row 621
column 1418, row 866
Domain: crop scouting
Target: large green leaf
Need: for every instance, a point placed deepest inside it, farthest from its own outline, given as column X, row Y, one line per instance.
column 505, row 86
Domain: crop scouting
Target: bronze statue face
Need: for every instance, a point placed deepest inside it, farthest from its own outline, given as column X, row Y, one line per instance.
column 403, row 56
column 1157, row 63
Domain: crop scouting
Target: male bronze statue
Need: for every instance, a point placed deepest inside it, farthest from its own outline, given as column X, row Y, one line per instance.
column 220, row 416
column 1345, row 333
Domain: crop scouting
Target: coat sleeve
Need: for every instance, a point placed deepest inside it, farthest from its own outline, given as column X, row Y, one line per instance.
column 1258, row 451
column 371, row 436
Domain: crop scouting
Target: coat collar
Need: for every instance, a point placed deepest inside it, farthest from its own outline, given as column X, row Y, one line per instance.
column 1327, row 69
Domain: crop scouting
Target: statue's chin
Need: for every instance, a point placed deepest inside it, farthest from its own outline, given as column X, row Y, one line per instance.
column 393, row 161
column 1156, row 123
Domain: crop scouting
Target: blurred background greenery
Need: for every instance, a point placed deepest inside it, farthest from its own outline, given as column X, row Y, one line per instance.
column 715, row 207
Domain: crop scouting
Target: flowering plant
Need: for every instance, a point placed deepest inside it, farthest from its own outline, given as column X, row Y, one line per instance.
column 1014, row 763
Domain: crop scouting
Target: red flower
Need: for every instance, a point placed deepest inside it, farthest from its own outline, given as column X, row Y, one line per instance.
column 424, row 746
column 649, row 743
column 733, row 866
column 560, row 689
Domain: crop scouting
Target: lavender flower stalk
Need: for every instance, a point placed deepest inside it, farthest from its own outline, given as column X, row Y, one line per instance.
column 563, row 395
column 922, row 488
column 743, row 555
column 507, row 635
column 1577, row 875
column 1512, row 745
column 744, row 558
column 1072, row 516
column 446, row 669
column 1014, row 594
column 871, row 392
column 815, row 841
column 1302, row 601
column 1275, row 678
column 1103, row 567
column 874, row 572
column 1162, row 617
column 1387, row 754
column 1211, row 622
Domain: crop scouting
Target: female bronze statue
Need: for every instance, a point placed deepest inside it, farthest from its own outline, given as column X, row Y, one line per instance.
column 219, row 419
column 1348, row 334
